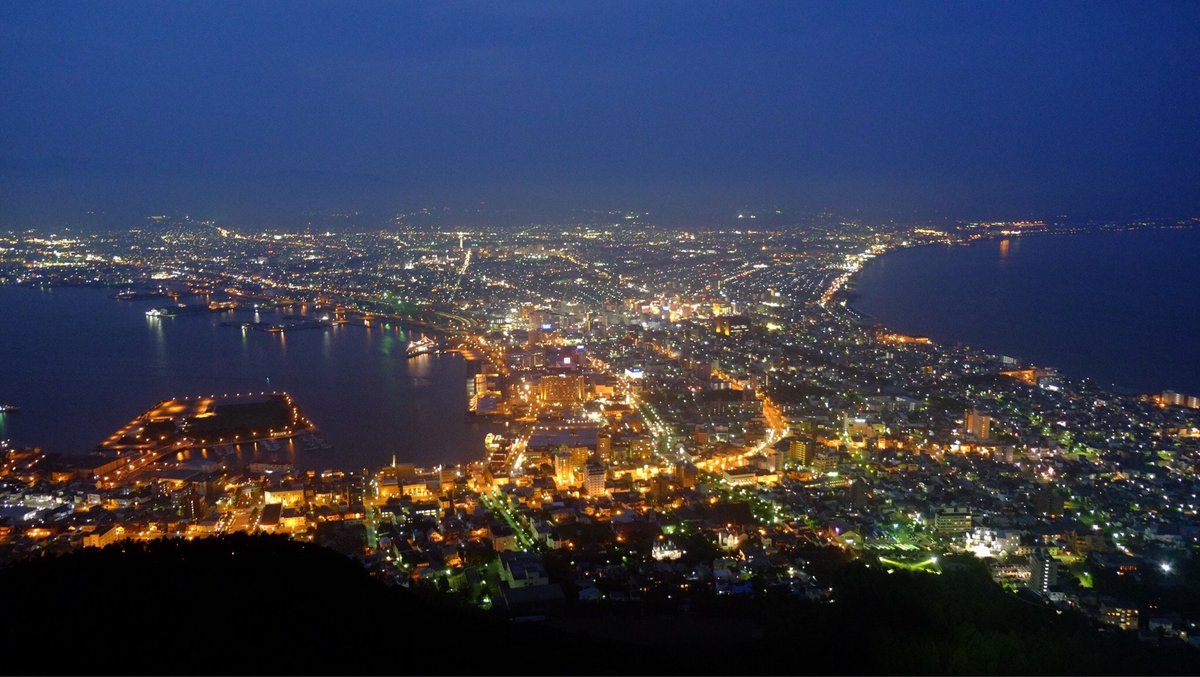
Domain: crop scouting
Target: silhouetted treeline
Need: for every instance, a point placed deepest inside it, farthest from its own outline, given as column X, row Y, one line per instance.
column 268, row 605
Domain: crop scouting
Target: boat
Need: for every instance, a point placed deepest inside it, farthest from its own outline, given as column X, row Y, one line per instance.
column 9, row 408
column 422, row 346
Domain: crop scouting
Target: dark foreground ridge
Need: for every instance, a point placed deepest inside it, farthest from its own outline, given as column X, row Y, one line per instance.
column 267, row 605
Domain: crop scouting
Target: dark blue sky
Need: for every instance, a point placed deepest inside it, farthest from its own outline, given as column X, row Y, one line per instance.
column 693, row 109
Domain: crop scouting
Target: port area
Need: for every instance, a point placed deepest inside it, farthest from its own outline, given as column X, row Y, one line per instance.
column 422, row 346
column 193, row 309
column 177, row 426
column 286, row 325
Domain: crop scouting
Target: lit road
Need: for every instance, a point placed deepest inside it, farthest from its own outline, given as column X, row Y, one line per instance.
column 499, row 505
column 664, row 438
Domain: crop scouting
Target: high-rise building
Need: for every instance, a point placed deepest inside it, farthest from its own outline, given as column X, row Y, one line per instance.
column 561, row 389
column 564, row 470
column 593, row 482
column 858, row 495
column 604, row 446
column 978, row 425
column 802, row 451
column 1043, row 572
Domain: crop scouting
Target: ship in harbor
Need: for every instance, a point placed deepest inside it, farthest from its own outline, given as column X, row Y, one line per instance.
column 422, row 346
column 183, row 309
column 9, row 408
column 289, row 325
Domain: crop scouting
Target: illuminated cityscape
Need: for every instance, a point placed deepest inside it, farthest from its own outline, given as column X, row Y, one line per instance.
column 687, row 414
column 566, row 340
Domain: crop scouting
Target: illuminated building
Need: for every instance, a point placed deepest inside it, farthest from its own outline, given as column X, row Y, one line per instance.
column 593, row 479
column 292, row 519
column 1170, row 398
column 561, row 389
column 802, row 451
column 952, row 521
column 268, row 519
column 732, row 325
column 641, row 449
column 604, row 447
column 101, row 538
column 740, row 477
column 664, row 549
column 994, row 543
column 503, row 539
column 1123, row 617
column 1043, row 572
column 415, row 489
column 564, row 470
column 288, row 496
column 978, row 425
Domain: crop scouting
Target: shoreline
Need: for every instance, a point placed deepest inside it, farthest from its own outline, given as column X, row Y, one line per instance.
column 843, row 298
column 30, row 429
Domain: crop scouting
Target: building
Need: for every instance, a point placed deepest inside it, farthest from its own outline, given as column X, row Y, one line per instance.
column 732, row 325
column 1170, row 398
column 978, row 425
column 1048, row 501
column 564, row 469
column 994, row 543
column 522, row 570
column 102, row 537
column 858, row 495
column 641, row 449
column 1043, row 572
column 952, row 521
column 561, row 389
column 288, row 496
column 293, row 519
column 593, row 482
column 604, row 446
column 686, row 475
column 1120, row 616
column 801, row 451
column 502, row 537
column 740, row 477
column 268, row 519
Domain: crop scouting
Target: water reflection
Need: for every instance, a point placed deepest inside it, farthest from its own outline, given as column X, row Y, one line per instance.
column 362, row 398
column 155, row 324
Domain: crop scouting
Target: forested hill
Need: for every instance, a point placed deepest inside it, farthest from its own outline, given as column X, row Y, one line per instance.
column 243, row 604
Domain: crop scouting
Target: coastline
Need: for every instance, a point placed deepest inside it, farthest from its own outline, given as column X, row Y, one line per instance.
column 286, row 361
column 846, row 298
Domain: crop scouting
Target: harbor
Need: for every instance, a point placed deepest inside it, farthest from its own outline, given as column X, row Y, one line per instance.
column 262, row 426
column 354, row 380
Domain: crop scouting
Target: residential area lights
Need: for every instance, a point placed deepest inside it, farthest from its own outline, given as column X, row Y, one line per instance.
column 688, row 412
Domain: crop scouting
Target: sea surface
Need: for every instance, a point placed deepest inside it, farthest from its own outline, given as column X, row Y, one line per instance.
column 81, row 364
column 1120, row 307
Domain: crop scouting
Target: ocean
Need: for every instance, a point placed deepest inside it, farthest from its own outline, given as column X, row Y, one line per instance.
column 1121, row 307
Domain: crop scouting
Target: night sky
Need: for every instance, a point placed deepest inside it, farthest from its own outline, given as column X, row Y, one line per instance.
column 691, row 110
